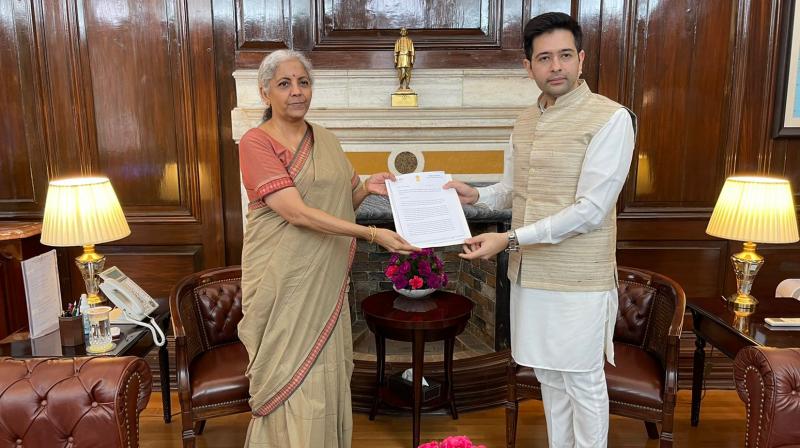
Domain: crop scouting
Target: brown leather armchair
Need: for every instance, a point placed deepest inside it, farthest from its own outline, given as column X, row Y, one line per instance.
column 646, row 343
column 86, row 401
column 206, row 308
column 768, row 381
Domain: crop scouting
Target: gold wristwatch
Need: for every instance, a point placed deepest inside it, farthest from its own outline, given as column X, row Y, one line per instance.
column 513, row 243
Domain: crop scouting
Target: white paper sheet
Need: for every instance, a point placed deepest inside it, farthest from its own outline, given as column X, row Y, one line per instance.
column 42, row 293
column 424, row 213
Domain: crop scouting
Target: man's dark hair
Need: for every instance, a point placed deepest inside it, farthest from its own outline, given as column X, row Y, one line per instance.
column 547, row 22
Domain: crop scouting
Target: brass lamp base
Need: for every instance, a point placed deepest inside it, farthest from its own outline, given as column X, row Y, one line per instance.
column 90, row 263
column 746, row 265
column 743, row 304
column 97, row 349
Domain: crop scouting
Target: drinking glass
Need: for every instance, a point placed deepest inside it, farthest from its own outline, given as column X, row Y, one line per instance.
column 99, row 330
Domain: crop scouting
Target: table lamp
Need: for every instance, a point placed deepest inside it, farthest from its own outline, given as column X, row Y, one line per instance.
column 752, row 210
column 83, row 212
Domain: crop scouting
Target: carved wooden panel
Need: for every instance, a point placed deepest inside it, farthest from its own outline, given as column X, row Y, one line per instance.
column 21, row 132
column 361, row 33
column 435, row 14
column 755, row 68
column 695, row 265
column 138, row 74
column 439, row 23
column 262, row 24
column 127, row 90
column 65, row 109
column 680, row 93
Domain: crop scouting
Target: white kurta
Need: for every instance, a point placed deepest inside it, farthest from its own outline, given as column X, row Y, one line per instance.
column 558, row 330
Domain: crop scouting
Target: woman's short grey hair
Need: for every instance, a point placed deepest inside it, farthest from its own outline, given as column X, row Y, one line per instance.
column 266, row 70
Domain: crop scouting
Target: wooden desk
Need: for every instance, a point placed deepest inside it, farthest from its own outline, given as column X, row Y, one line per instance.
column 715, row 323
column 445, row 318
column 133, row 341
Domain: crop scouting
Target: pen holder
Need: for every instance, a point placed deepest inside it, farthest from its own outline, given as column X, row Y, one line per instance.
column 71, row 329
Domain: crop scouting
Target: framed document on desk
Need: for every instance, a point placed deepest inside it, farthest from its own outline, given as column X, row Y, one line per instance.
column 42, row 293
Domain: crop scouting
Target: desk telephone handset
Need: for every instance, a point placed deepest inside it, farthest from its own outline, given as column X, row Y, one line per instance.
column 135, row 303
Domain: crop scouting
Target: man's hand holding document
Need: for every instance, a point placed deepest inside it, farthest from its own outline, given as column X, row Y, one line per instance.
column 425, row 214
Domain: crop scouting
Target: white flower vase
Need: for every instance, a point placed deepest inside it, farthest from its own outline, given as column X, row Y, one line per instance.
column 415, row 293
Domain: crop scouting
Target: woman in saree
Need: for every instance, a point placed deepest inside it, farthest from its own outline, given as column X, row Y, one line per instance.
column 298, row 248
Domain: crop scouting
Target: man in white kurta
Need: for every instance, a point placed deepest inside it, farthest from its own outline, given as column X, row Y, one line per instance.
column 559, row 330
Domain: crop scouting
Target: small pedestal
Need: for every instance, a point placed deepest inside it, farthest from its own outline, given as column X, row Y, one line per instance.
column 404, row 98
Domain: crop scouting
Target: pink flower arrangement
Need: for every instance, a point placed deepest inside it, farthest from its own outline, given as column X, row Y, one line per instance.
column 420, row 270
column 452, row 442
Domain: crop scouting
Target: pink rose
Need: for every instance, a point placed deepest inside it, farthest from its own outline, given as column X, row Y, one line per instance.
column 456, row 442
column 415, row 282
column 391, row 271
column 429, row 445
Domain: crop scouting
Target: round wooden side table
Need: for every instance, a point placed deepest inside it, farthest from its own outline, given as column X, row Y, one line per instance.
column 440, row 317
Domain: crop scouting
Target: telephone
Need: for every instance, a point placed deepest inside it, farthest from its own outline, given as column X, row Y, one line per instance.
column 135, row 303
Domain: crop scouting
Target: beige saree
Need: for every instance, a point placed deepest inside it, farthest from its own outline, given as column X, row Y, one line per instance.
column 296, row 324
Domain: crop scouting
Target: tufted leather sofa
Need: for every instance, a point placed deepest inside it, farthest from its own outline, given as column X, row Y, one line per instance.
column 206, row 308
column 646, row 343
column 768, row 381
column 63, row 402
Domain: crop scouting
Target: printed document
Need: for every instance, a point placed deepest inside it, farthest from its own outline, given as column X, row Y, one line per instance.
column 425, row 214
column 42, row 292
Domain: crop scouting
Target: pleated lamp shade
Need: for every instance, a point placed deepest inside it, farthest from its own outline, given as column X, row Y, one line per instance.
column 82, row 211
column 755, row 209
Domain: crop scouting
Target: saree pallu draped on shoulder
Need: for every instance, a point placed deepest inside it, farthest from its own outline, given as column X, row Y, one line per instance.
column 294, row 281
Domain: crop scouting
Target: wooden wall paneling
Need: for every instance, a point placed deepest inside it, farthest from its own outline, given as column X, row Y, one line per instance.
column 614, row 52
column 351, row 24
column 224, row 54
column 199, row 35
column 737, row 86
column 263, row 25
column 23, row 152
column 63, row 88
column 130, row 92
column 138, row 102
column 695, row 265
column 514, row 21
column 156, row 122
column 785, row 162
column 679, row 96
column 348, row 35
column 588, row 15
column 758, row 28
column 644, row 227
column 542, row 6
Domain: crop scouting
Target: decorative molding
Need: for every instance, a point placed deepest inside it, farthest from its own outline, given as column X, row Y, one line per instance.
column 460, row 110
column 437, row 88
column 436, row 126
